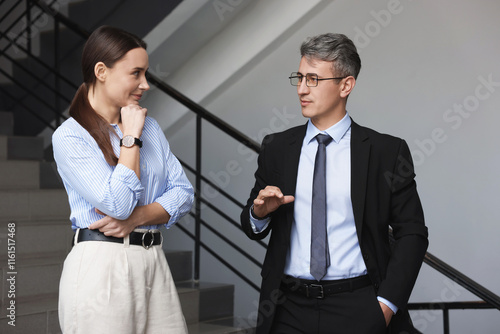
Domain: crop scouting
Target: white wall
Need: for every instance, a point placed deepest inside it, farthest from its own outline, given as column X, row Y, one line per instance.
column 425, row 70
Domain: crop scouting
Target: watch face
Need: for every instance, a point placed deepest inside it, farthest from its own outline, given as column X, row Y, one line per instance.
column 128, row 141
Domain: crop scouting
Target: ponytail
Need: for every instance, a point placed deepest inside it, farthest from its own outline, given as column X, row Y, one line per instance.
column 108, row 45
column 99, row 129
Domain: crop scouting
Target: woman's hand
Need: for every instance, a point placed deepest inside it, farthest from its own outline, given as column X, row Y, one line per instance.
column 112, row 227
column 133, row 117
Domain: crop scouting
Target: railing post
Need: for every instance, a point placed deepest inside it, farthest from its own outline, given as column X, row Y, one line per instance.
column 446, row 320
column 197, row 246
column 28, row 25
column 56, row 68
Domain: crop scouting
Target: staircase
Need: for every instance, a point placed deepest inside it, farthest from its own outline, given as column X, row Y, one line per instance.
column 34, row 215
column 34, row 220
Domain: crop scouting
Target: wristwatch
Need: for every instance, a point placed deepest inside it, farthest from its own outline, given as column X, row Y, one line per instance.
column 129, row 141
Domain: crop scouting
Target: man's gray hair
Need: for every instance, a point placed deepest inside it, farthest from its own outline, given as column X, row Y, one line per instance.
column 335, row 48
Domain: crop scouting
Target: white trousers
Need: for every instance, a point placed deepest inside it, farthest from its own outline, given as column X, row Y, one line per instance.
column 108, row 287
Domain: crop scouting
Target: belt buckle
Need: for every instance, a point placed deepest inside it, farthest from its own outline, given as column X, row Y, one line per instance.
column 152, row 239
column 321, row 294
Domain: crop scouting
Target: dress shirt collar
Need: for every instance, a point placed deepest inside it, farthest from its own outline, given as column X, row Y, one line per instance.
column 336, row 131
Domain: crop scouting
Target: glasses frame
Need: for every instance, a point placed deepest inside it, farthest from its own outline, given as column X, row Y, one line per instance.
column 294, row 75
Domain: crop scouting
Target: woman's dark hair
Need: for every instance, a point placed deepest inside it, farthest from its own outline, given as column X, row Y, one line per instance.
column 108, row 45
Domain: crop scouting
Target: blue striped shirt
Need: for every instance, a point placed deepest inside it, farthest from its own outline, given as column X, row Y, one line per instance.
column 116, row 190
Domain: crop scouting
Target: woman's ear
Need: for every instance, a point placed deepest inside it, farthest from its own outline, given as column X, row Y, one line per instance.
column 347, row 86
column 100, row 71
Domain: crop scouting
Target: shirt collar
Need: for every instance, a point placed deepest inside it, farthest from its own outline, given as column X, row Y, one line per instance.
column 336, row 131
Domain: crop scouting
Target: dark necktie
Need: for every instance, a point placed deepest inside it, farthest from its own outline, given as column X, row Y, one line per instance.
column 320, row 256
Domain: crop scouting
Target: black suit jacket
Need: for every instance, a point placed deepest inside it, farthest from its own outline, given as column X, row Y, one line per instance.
column 383, row 194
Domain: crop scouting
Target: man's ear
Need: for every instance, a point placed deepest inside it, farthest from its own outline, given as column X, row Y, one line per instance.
column 347, row 86
column 100, row 71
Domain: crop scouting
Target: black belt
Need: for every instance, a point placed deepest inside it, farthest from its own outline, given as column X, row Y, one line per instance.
column 145, row 239
column 314, row 289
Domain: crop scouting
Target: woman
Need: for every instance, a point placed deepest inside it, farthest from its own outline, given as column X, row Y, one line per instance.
column 122, row 182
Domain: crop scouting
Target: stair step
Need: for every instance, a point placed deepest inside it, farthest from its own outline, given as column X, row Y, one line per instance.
column 224, row 326
column 34, row 204
column 34, row 238
column 18, row 174
column 49, row 177
column 190, row 303
column 181, row 264
column 33, row 315
column 24, row 148
column 215, row 300
column 33, row 276
column 6, row 123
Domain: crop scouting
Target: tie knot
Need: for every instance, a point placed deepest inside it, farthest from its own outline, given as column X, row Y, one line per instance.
column 323, row 139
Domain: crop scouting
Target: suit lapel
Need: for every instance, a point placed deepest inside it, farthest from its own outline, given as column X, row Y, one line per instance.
column 360, row 155
column 292, row 156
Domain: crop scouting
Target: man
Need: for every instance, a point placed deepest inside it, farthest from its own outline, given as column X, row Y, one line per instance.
column 329, row 201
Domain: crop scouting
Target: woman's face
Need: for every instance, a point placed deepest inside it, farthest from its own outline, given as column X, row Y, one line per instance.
column 125, row 82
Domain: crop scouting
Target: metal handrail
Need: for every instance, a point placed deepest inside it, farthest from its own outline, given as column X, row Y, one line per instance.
column 9, row 11
column 451, row 305
column 61, row 18
column 458, row 277
column 447, row 306
column 463, row 280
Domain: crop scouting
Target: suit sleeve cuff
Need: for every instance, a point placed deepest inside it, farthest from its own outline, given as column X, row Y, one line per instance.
column 258, row 225
column 393, row 307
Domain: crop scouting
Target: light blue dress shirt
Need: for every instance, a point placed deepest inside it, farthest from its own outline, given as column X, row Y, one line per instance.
column 116, row 190
column 346, row 260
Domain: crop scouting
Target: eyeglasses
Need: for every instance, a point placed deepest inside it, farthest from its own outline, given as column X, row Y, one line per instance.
column 311, row 79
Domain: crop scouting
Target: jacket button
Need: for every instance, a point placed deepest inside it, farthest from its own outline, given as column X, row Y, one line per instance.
column 365, row 256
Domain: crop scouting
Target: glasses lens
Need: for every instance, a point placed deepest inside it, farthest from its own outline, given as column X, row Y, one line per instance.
column 295, row 78
column 312, row 79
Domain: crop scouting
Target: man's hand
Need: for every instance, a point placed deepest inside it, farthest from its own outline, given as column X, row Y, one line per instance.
column 387, row 313
column 112, row 227
column 269, row 199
